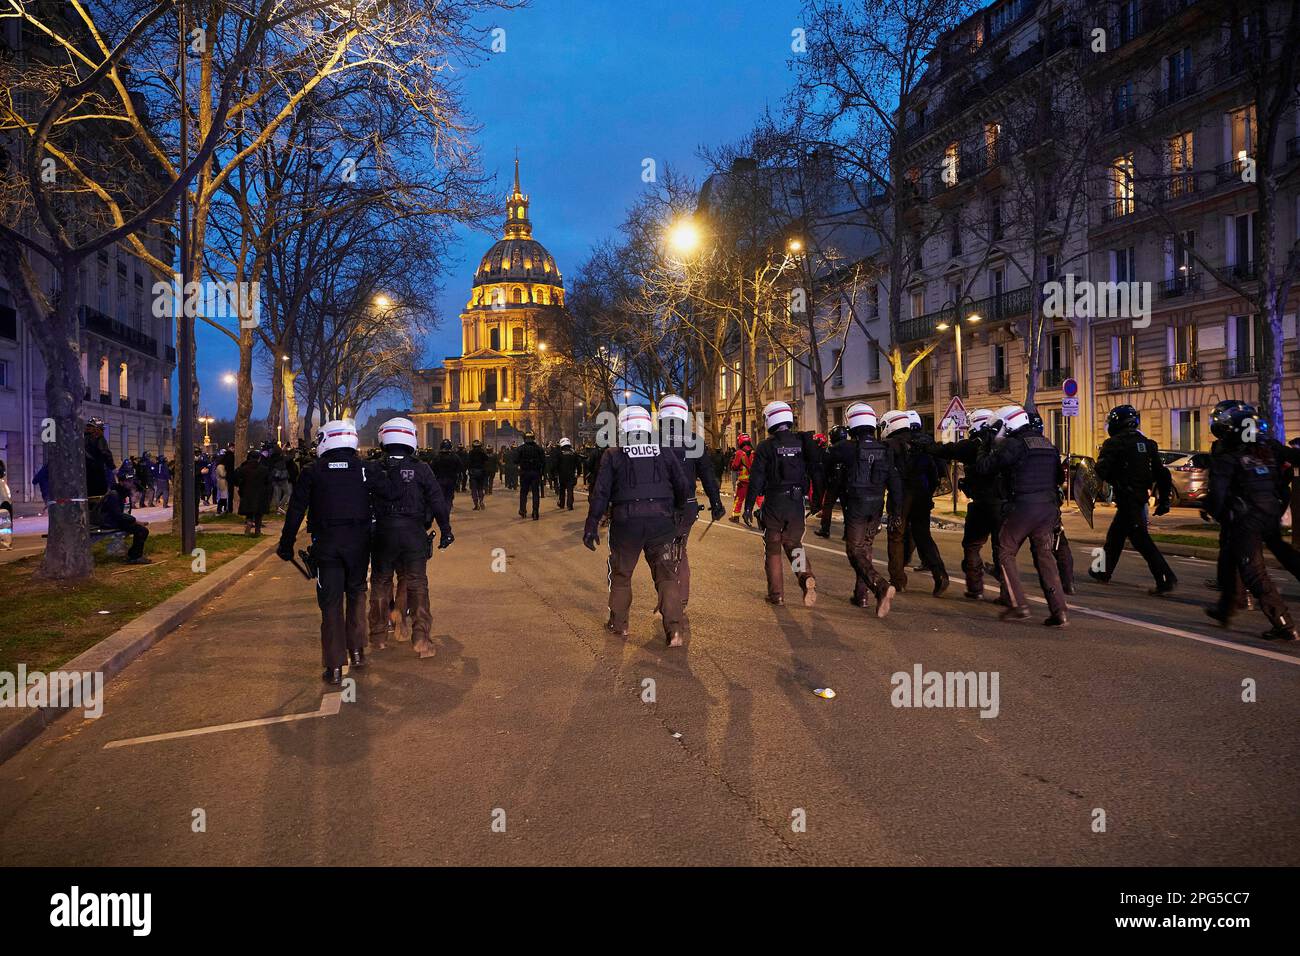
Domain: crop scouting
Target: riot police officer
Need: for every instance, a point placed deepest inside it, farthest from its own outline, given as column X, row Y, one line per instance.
column 476, row 462
column 335, row 494
column 834, row 474
column 446, row 471
column 1131, row 462
column 400, row 540
column 912, row 451
column 567, row 465
column 1029, row 467
column 984, row 503
column 674, row 434
column 645, row 488
column 532, row 463
column 1244, row 497
column 866, row 469
column 1060, row 543
column 783, row 464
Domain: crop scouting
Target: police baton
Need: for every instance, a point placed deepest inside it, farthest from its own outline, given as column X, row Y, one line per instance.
column 308, row 567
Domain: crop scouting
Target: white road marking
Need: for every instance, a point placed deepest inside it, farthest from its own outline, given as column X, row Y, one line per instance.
column 330, row 705
column 1106, row 615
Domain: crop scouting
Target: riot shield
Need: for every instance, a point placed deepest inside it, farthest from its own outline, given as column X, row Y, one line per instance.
column 1084, row 485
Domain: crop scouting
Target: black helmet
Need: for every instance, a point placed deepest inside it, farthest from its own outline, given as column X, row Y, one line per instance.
column 1229, row 417
column 839, row 433
column 1122, row 418
column 476, row 442
column 528, row 436
column 445, row 444
column 1035, row 422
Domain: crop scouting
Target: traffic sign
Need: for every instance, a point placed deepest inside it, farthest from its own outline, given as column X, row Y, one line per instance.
column 957, row 412
column 1070, row 406
column 1070, row 388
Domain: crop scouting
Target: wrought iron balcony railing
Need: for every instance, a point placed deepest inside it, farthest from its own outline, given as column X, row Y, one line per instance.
column 1124, row 378
column 1181, row 373
column 1180, row 285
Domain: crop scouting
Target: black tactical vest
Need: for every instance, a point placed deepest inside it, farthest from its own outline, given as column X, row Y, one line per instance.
column 641, row 477
column 339, row 493
column 1256, row 479
column 410, row 503
column 1034, row 479
column 789, row 471
column 870, row 473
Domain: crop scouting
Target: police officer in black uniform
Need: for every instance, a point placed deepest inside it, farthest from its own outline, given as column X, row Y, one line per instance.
column 983, row 505
column 834, row 473
column 476, row 461
column 1030, row 469
column 913, row 455
column 674, row 433
column 335, row 493
column 784, row 463
column 867, row 471
column 1131, row 462
column 446, row 471
column 532, row 465
column 401, row 542
column 1245, row 498
column 567, row 465
column 646, row 487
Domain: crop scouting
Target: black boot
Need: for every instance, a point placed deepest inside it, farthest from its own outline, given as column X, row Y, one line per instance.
column 1014, row 614
column 357, row 658
column 940, row 585
column 333, row 675
column 1099, row 576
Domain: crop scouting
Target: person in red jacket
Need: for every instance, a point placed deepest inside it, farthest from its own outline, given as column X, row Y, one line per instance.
column 740, row 464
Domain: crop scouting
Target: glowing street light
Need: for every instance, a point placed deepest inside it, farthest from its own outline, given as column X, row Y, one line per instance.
column 229, row 378
column 382, row 301
column 684, row 237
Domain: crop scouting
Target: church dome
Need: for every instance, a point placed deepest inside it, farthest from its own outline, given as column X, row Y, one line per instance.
column 517, row 256
column 517, row 260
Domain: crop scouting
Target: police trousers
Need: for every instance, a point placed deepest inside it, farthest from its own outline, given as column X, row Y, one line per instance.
column 983, row 519
column 1036, row 521
column 1130, row 522
column 1242, row 550
column 655, row 538
column 401, row 547
column 916, row 521
column 783, row 527
column 530, row 482
column 342, row 555
column 861, row 525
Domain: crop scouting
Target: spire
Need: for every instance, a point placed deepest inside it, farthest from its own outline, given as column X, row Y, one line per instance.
column 517, row 224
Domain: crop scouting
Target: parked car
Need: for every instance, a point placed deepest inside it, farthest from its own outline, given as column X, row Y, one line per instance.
column 1191, row 474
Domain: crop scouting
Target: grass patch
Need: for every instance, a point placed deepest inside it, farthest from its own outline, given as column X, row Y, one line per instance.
column 1194, row 540
column 52, row 622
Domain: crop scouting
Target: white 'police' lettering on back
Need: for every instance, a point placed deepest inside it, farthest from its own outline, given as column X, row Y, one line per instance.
column 338, row 464
column 641, row 451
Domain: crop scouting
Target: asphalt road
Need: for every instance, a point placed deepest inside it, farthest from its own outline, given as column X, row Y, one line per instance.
column 532, row 716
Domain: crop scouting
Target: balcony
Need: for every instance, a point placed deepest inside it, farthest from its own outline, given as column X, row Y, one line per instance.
column 1229, row 171
column 1124, row 378
column 105, row 398
column 1181, row 373
column 124, row 402
column 1180, row 285
column 1241, row 366
column 999, row 385
column 140, row 405
column 923, row 392
column 1053, row 377
column 1174, row 92
column 95, row 321
column 1245, row 271
column 1121, row 116
column 1178, row 186
column 993, row 308
column 1118, row 208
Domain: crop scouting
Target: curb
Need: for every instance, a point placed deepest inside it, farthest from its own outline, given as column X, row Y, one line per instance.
column 119, row 649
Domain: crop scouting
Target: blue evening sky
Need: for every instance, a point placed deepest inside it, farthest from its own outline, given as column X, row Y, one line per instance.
column 587, row 89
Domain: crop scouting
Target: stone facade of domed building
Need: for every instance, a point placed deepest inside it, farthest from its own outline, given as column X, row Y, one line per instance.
column 516, row 301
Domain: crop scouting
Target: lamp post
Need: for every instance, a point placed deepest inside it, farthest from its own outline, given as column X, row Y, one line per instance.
column 184, row 322
column 205, row 421
column 942, row 326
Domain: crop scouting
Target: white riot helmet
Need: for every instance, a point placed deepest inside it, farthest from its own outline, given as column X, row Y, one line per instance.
column 777, row 413
column 565, row 443
column 894, row 422
column 1012, row 417
column 337, row 434
column 860, row 415
column 398, row 431
column 674, row 406
column 633, row 419
column 980, row 418
column 914, row 420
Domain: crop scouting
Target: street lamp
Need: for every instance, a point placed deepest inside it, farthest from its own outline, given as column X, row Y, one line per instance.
column 205, row 421
column 956, row 324
column 684, row 237
column 229, row 379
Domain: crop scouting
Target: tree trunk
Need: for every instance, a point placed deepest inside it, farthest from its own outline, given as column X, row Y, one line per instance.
column 244, row 400
column 898, row 375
